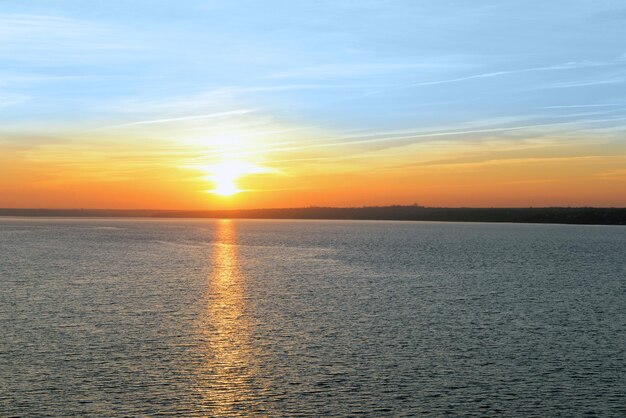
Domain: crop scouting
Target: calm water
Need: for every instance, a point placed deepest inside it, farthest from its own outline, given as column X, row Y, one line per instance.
column 283, row 318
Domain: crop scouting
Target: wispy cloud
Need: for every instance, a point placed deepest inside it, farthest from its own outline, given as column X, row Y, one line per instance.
column 488, row 160
column 203, row 104
column 556, row 67
column 450, row 133
column 10, row 99
column 360, row 69
column 232, row 91
column 53, row 39
column 616, row 174
column 217, row 115
column 585, row 83
column 10, row 80
column 18, row 24
column 580, row 106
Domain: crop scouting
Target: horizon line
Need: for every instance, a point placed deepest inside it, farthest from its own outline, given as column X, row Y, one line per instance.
column 305, row 207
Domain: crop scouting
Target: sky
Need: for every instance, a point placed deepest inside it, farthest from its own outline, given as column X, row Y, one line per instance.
column 249, row 104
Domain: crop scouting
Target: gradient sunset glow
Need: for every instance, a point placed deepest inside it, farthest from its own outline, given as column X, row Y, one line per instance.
column 244, row 104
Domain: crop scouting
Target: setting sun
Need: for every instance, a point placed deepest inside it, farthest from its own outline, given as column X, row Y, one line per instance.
column 225, row 174
column 225, row 187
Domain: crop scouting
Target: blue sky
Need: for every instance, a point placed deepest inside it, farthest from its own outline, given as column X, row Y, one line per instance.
column 336, row 64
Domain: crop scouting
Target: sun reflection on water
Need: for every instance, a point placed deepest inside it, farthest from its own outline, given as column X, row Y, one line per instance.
column 229, row 370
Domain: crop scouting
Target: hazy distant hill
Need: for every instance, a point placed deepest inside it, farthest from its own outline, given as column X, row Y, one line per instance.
column 604, row 216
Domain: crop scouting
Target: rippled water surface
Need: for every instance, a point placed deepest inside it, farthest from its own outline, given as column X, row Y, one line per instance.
column 282, row 318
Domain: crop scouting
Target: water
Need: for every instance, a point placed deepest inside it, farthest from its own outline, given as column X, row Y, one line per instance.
column 309, row 318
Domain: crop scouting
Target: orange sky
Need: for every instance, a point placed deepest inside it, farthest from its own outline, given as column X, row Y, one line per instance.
column 109, row 172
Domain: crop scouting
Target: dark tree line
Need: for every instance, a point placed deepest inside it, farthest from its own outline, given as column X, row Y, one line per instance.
column 562, row 215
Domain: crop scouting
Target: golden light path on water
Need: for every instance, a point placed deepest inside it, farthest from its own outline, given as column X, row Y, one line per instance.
column 228, row 368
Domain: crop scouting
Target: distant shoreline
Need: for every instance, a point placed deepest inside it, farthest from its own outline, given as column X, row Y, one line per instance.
column 554, row 215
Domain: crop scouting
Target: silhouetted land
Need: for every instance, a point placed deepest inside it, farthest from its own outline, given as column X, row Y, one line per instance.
column 599, row 216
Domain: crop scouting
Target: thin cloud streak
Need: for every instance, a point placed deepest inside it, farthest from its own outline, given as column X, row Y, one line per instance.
column 579, row 106
column 505, row 161
column 186, row 118
column 369, row 68
column 448, row 133
column 558, row 67
column 57, row 38
column 565, row 85
column 10, row 99
column 382, row 138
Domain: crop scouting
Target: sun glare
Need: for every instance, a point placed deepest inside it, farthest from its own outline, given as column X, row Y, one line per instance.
column 226, row 189
column 224, row 175
column 225, row 185
column 228, row 160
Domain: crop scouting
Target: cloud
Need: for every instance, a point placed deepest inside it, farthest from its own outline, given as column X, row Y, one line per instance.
column 357, row 69
column 616, row 174
column 579, row 106
column 557, row 67
column 569, row 84
column 27, row 78
column 486, row 160
column 179, row 108
column 449, row 133
column 217, row 115
column 10, row 99
column 56, row 39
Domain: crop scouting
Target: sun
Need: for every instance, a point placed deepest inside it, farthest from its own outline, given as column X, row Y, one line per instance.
column 225, row 182
column 225, row 174
column 227, row 188
column 228, row 159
